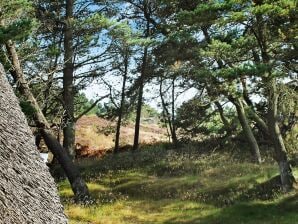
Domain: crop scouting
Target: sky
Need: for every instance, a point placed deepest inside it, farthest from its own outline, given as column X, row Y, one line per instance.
column 151, row 93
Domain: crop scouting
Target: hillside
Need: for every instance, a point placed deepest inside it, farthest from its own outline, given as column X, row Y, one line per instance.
column 95, row 135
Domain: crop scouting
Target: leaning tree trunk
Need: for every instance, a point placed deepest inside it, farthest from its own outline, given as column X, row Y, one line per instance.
column 247, row 129
column 28, row 193
column 260, row 123
column 78, row 185
column 224, row 120
column 286, row 175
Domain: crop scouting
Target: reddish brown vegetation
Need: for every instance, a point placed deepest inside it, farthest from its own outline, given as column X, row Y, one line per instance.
column 95, row 136
column 85, row 151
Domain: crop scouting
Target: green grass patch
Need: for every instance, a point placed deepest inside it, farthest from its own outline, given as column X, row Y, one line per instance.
column 161, row 185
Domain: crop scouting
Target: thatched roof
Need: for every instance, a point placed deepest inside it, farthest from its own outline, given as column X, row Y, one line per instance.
column 28, row 193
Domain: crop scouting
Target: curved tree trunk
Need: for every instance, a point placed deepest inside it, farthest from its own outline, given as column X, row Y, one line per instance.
column 247, row 129
column 78, row 185
column 28, row 193
column 260, row 123
column 286, row 175
column 224, row 120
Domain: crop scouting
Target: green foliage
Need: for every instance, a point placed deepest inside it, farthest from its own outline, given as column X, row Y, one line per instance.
column 123, row 31
column 88, row 29
column 215, row 44
column 16, row 20
column 28, row 110
column 288, row 115
column 194, row 117
column 82, row 103
column 149, row 112
column 108, row 111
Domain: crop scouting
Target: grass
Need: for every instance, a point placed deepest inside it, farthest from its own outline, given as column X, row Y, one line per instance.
column 161, row 185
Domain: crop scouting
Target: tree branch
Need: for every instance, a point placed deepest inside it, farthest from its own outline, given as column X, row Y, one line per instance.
column 90, row 108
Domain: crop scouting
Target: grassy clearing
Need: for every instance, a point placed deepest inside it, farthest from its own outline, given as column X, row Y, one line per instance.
column 160, row 185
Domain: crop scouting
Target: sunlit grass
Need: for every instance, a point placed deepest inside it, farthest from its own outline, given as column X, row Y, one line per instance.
column 140, row 211
column 185, row 186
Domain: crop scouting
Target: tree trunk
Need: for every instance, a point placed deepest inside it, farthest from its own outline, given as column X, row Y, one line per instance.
column 287, row 178
column 140, row 101
column 259, row 121
column 166, row 112
column 247, row 129
column 245, row 92
column 43, row 124
column 68, row 82
column 261, row 125
column 77, row 183
column 142, row 79
column 174, row 136
column 117, row 137
column 224, row 120
column 22, row 85
column 28, row 193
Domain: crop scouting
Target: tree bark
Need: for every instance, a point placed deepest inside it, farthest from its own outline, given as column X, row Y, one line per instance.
column 43, row 125
column 166, row 111
column 247, row 129
column 140, row 100
column 174, row 135
column 169, row 119
column 68, row 82
column 260, row 123
column 146, row 12
column 224, row 120
column 77, row 183
column 28, row 193
column 287, row 178
column 117, row 136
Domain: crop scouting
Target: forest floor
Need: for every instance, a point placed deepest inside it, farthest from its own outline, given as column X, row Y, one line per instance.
column 191, row 184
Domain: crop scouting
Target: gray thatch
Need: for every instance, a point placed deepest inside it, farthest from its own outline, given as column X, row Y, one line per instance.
column 28, row 193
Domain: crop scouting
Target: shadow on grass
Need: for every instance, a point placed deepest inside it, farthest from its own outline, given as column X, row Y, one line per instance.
column 154, row 157
column 190, row 188
column 160, row 180
column 186, row 174
column 284, row 211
